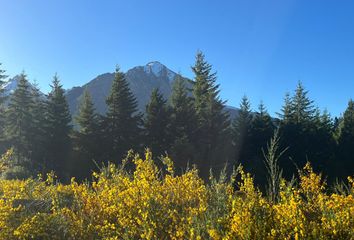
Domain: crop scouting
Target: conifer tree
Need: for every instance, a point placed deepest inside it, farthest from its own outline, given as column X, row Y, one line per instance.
column 157, row 123
column 2, row 111
column 213, row 121
column 287, row 110
column 58, row 130
column 302, row 106
column 322, row 142
column 262, row 128
column 298, row 131
column 345, row 156
column 183, row 122
column 241, row 127
column 122, row 122
column 261, row 132
column 2, row 81
column 38, row 108
column 87, row 138
column 87, row 117
column 19, row 121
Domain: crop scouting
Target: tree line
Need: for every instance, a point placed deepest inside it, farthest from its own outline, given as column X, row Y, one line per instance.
column 192, row 127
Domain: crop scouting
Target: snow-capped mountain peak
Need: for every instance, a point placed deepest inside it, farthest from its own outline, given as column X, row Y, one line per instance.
column 154, row 67
column 11, row 85
column 158, row 69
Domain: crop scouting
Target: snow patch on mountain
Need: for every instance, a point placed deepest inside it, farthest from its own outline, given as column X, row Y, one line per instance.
column 158, row 69
column 11, row 85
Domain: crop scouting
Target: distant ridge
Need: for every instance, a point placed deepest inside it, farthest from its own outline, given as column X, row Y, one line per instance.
column 142, row 80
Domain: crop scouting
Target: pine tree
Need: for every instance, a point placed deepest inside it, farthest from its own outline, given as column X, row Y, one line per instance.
column 262, row 128
column 183, row 124
column 19, row 121
column 58, row 129
column 298, row 131
column 87, row 138
column 287, row 110
column 344, row 164
column 87, row 117
column 302, row 106
column 122, row 122
column 2, row 111
column 322, row 142
column 38, row 108
column 241, row 127
column 261, row 132
column 2, row 78
column 213, row 120
column 157, row 123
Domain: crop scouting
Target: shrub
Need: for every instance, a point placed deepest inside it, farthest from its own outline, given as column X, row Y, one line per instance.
column 153, row 203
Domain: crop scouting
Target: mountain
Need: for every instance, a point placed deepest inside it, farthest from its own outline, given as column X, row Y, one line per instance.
column 142, row 80
column 11, row 84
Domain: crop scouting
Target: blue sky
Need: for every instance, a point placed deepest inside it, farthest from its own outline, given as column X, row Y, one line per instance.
column 258, row 48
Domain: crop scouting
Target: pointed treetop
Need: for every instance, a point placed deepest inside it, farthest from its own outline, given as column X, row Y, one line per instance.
column 262, row 110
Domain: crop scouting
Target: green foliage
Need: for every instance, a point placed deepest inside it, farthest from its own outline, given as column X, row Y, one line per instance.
column 262, row 128
column 193, row 129
column 286, row 110
column 184, row 124
column 241, row 128
column 87, row 140
column 346, row 139
column 2, row 78
column 2, row 109
column 14, row 166
column 306, row 132
column 38, row 141
column 274, row 173
column 302, row 106
column 122, row 122
column 261, row 132
column 58, row 127
column 213, row 121
column 157, row 123
column 87, row 117
column 16, row 172
column 19, row 119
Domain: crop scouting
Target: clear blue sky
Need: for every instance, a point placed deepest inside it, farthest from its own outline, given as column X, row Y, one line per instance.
column 259, row 48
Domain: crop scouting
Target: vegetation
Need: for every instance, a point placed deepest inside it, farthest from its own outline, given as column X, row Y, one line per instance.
column 274, row 193
column 153, row 203
column 192, row 127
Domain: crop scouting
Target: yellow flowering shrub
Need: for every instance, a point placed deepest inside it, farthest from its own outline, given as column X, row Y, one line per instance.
column 153, row 203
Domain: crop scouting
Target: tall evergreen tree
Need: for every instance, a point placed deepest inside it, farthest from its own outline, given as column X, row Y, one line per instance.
column 87, row 138
column 262, row 128
column 302, row 106
column 241, row 127
column 2, row 111
column 322, row 143
column 122, row 123
column 261, row 132
column 58, row 130
column 157, row 123
column 213, row 120
column 19, row 121
column 298, row 131
column 38, row 108
column 2, row 81
column 87, row 117
column 286, row 110
column 184, row 124
column 344, row 164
